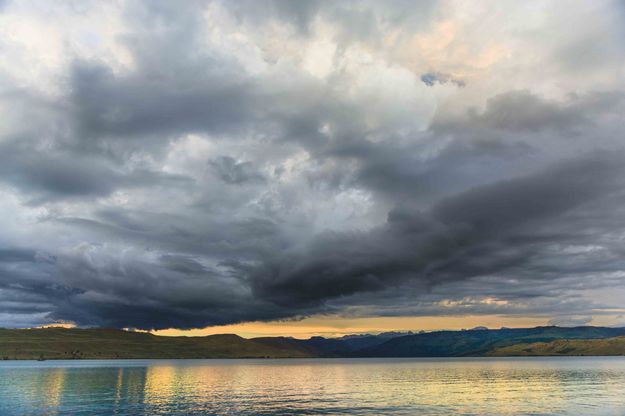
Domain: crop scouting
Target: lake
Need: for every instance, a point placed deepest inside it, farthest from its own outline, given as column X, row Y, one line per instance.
column 418, row 386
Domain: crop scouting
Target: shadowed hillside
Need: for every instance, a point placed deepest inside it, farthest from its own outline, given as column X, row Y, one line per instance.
column 607, row 346
column 480, row 341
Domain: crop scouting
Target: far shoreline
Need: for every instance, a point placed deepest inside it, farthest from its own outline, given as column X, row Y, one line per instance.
column 112, row 344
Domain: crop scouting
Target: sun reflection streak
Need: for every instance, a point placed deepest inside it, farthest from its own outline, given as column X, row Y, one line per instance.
column 464, row 386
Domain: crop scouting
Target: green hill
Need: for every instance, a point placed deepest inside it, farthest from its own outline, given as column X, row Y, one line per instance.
column 61, row 343
column 607, row 346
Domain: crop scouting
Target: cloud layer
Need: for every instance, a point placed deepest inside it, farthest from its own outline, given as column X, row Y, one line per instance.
column 178, row 167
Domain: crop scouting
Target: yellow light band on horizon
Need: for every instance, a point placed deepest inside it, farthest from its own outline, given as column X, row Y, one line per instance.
column 331, row 326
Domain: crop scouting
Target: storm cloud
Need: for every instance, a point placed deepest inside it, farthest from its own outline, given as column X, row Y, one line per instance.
column 168, row 166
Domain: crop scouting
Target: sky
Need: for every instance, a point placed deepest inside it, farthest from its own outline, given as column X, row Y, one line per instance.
column 274, row 167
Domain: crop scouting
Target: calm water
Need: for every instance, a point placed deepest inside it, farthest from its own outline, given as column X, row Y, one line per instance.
column 510, row 386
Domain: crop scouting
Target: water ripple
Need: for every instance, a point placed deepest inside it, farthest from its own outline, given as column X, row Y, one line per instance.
column 513, row 386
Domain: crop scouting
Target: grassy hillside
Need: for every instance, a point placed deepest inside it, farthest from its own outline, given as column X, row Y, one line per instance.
column 607, row 346
column 61, row 343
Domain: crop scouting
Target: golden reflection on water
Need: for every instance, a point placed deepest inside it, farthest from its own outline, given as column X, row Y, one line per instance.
column 428, row 387
column 52, row 384
column 159, row 385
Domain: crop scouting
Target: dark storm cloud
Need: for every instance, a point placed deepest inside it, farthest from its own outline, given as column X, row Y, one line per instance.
column 475, row 148
column 465, row 235
column 299, row 13
column 55, row 175
column 170, row 291
column 233, row 171
column 520, row 111
column 216, row 176
column 362, row 20
column 199, row 234
column 16, row 255
column 513, row 202
column 28, row 288
column 140, row 105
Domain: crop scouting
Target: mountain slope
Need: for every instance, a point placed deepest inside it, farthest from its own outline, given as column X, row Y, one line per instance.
column 479, row 342
column 606, row 346
column 61, row 343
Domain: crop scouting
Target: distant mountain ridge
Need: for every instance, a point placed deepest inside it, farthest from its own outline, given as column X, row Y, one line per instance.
column 99, row 343
column 478, row 342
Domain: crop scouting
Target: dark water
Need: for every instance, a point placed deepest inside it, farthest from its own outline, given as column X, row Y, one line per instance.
column 509, row 386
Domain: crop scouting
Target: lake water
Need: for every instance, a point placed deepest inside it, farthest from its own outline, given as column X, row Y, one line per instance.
column 467, row 386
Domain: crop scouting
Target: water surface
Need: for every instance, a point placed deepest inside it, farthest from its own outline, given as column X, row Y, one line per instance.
column 467, row 386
